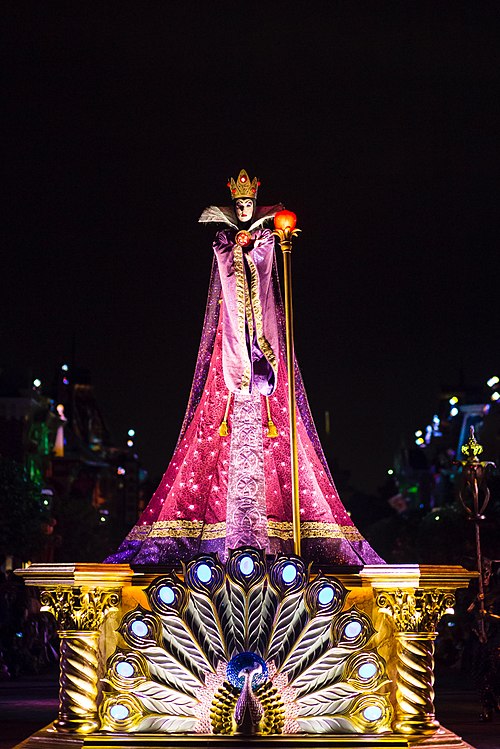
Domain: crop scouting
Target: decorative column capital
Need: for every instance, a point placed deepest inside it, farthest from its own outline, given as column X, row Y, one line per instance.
column 416, row 611
column 79, row 609
column 79, row 595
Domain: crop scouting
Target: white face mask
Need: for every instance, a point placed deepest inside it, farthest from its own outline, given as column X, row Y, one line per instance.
column 244, row 209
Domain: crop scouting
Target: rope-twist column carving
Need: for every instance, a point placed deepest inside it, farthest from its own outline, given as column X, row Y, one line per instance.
column 415, row 684
column 78, row 682
column 416, row 614
column 79, row 613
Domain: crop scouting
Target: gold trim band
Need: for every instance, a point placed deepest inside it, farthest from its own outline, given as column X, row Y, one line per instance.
column 212, row 531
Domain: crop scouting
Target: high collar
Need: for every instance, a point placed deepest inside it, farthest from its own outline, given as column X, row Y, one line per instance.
column 226, row 215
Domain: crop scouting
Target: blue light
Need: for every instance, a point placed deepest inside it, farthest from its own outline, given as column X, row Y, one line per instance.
column 325, row 596
column 248, row 662
column 372, row 713
column 247, row 565
column 119, row 712
column 124, row 669
column 166, row 594
column 289, row 573
column 203, row 573
column 367, row 670
column 139, row 628
column 352, row 630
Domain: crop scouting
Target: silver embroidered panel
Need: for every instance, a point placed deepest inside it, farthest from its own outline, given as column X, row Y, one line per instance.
column 246, row 515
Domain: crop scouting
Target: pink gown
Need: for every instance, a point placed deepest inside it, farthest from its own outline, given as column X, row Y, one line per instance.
column 222, row 492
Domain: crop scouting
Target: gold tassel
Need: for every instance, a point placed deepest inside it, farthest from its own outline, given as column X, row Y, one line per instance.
column 224, row 428
column 271, row 426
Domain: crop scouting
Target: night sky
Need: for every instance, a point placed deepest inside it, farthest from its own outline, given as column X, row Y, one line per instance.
column 376, row 122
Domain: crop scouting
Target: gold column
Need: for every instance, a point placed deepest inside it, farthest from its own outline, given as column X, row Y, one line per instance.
column 79, row 596
column 79, row 614
column 415, row 614
column 409, row 601
column 285, row 236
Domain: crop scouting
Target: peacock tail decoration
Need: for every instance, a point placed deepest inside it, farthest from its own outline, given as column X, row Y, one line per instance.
column 257, row 645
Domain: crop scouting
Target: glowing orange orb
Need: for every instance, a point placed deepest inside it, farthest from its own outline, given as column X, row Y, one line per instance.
column 285, row 220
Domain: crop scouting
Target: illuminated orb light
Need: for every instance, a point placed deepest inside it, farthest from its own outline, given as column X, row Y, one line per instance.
column 289, row 573
column 125, row 669
column 246, row 565
column 367, row 670
column 352, row 630
column 203, row 573
column 139, row 628
column 325, row 595
column 119, row 712
column 242, row 661
column 372, row 713
column 166, row 594
column 284, row 220
column 454, row 411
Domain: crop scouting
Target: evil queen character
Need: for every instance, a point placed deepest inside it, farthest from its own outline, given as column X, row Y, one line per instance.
column 229, row 481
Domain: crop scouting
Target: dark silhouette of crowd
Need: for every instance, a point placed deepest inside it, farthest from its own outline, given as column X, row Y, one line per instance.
column 28, row 637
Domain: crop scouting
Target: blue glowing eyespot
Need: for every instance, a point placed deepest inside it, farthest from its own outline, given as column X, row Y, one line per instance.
column 124, row 669
column 203, row 573
column 367, row 670
column 289, row 573
column 166, row 594
column 119, row 712
column 325, row 595
column 247, row 565
column 139, row 628
column 352, row 630
column 372, row 713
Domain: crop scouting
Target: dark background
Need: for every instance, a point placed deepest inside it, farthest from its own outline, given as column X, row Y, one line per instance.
column 377, row 122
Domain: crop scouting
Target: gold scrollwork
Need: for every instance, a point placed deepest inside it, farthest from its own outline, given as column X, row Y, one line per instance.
column 79, row 609
column 415, row 610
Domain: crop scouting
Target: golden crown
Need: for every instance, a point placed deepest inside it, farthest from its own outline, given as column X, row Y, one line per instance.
column 243, row 187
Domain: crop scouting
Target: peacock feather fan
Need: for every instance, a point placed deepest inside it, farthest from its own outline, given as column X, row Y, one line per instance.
column 253, row 646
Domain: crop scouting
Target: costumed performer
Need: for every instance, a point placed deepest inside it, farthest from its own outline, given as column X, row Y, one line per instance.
column 229, row 481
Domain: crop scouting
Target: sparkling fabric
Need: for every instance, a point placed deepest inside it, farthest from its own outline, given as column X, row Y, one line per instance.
column 192, row 511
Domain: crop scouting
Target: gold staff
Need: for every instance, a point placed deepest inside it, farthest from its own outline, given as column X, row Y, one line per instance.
column 284, row 224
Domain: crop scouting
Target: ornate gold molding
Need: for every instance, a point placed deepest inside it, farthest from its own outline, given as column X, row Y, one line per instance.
column 415, row 611
column 79, row 609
